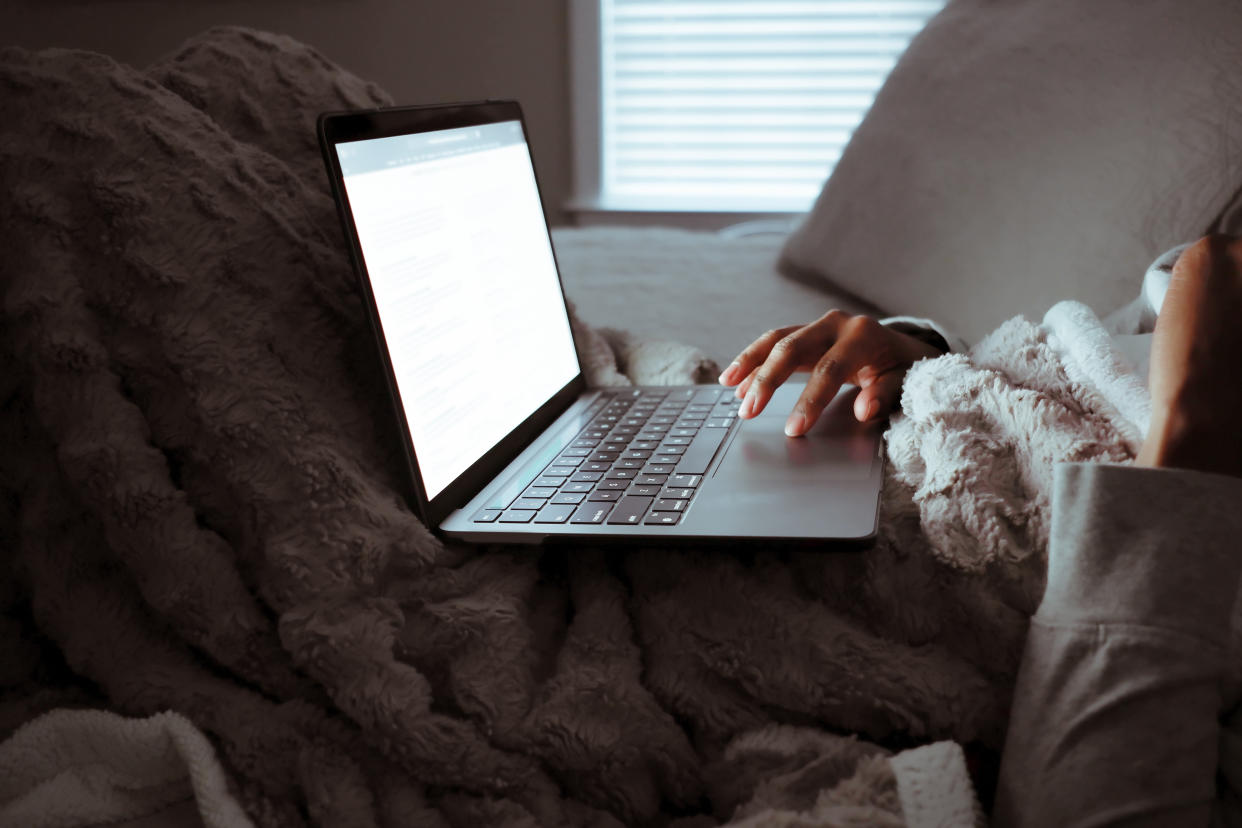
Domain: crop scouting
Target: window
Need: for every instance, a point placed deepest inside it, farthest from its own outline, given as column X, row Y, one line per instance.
column 725, row 105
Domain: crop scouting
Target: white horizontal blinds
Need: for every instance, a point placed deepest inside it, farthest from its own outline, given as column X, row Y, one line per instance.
column 739, row 104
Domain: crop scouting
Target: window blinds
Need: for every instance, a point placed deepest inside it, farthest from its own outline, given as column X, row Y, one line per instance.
column 739, row 104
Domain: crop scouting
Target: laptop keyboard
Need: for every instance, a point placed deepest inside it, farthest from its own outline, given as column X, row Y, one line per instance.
column 640, row 460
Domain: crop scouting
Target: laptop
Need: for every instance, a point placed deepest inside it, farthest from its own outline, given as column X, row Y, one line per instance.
column 503, row 439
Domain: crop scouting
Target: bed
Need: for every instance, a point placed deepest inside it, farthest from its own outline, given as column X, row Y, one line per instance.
column 201, row 510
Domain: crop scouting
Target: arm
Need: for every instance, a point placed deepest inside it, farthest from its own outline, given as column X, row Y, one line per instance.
column 1116, row 712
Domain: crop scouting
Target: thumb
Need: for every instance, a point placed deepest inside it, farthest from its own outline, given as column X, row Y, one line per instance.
column 879, row 396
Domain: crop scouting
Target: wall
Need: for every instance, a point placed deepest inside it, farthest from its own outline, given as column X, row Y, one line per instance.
column 420, row 51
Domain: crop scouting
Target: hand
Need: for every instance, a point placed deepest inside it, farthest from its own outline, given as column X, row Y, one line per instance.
column 836, row 348
column 1196, row 363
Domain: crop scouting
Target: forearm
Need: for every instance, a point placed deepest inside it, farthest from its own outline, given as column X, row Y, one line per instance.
column 1116, row 710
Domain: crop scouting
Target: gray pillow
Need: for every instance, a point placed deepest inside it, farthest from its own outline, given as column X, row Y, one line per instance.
column 1031, row 151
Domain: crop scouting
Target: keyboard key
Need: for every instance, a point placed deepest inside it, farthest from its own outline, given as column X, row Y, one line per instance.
column 677, row 494
column 658, row 468
column 685, row 481
column 665, row 460
column 659, row 428
column 569, row 497
column 630, row 510
column 576, row 452
column 644, row 491
column 625, row 431
column 718, row 422
column 603, row 456
column 487, row 515
column 558, row 471
column 577, row 487
column 637, row 454
column 682, row 432
column 527, row 503
column 650, row 479
column 555, row 513
column 542, row 492
column 644, row 444
column 691, row 423
column 616, row 485
column 606, row 495
column 543, row 481
column 584, row 443
column 595, row 467
column 586, row 477
column 667, row 504
column 667, row 449
column 661, row 419
column 706, row 396
column 626, row 463
column 517, row 516
column 699, row 454
column 591, row 512
column 663, row 518
column 676, row 441
column 622, row 474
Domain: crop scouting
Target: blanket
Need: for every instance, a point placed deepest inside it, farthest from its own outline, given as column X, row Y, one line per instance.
column 87, row 767
column 201, row 511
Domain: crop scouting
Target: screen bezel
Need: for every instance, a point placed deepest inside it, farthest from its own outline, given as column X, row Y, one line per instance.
column 339, row 127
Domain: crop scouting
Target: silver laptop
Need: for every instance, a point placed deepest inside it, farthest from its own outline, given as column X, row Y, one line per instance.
column 503, row 440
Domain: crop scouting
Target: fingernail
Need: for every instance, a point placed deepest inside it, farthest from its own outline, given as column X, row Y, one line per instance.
column 726, row 376
column 795, row 425
column 873, row 408
column 747, row 405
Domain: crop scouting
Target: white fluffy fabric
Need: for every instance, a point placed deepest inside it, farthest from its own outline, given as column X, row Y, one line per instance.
column 935, row 788
column 981, row 432
column 86, row 767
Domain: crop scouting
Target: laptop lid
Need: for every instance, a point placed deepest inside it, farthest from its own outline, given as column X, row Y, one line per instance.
column 442, row 212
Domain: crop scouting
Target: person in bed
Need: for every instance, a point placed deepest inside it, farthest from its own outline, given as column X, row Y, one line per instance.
column 1122, row 710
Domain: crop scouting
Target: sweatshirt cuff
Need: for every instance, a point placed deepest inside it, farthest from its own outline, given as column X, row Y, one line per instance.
column 1148, row 547
column 928, row 331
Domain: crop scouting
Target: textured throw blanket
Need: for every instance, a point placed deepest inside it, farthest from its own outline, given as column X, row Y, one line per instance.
column 200, row 512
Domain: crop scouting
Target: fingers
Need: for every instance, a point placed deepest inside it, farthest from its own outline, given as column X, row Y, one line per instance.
column 836, row 348
column 880, row 397
column 800, row 349
column 860, row 355
column 754, row 355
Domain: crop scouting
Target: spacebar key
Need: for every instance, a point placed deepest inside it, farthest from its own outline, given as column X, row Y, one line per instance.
column 702, row 449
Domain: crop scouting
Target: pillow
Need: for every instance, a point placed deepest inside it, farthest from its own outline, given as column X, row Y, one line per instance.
column 1031, row 151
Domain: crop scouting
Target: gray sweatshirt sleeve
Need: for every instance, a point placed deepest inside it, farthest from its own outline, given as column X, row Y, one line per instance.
column 1116, row 711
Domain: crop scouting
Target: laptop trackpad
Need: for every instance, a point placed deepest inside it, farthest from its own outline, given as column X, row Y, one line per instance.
column 838, row 447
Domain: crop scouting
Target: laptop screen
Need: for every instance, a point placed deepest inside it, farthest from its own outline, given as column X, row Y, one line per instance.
column 453, row 236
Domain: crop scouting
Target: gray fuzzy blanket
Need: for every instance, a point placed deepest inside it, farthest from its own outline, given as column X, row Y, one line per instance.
column 200, row 511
